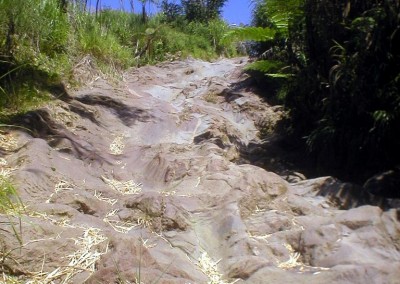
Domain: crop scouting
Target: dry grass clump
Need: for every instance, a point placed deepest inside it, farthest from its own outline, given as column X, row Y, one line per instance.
column 117, row 146
column 5, row 173
column 8, row 142
column 292, row 261
column 118, row 226
column 5, row 170
column 86, row 71
column 3, row 162
column 62, row 222
column 100, row 197
column 63, row 116
column 82, row 260
column 124, row 187
column 211, row 97
column 263, row 237
column 145, row 222
column 61, row 186
column 147, row 245
column 6, row 279
column 210, row 268
column 125, row 226
column 168, row 193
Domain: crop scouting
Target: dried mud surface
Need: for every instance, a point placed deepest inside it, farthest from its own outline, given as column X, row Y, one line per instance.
column 147, row 182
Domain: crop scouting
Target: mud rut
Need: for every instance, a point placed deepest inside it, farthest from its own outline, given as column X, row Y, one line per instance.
column 140, row 183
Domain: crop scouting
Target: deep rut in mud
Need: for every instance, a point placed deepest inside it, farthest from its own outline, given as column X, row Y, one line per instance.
column 145, row 182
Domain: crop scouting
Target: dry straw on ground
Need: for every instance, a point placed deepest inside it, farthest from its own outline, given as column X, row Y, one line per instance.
column 3, row 162
column 63, row 116
column 8, row 142
column 117, row 225
column 82, row 260
column 5, row 170
column 117, row 146
column 61, row 186
column 124, row 187
column 100, row 197
column 210, row 268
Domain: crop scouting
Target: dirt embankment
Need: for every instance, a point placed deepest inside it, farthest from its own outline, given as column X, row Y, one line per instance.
column 147, row 182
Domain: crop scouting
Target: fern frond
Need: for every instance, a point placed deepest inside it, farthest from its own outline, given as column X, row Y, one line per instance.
column 279, row 75
column 265, row 66
column 250, row 33
column 270, row 68
column 281, row 22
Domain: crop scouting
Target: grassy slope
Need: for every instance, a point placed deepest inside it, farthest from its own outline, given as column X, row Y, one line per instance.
column 40, row 45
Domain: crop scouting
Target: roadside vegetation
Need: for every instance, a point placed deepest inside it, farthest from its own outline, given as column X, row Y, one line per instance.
column 42, row 41
column 335, row 65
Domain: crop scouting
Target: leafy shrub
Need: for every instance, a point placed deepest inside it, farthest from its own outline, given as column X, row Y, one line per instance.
column 351, row 85
column 202, row 11
column 343, row 99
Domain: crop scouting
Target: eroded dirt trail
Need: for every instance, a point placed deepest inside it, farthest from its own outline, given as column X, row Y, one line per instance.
column 139, row 183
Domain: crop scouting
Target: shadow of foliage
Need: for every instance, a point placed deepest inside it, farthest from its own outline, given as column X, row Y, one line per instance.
column 39, row 124
column 348, row 195
column 127, row 114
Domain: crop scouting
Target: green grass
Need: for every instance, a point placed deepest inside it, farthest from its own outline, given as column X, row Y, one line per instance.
column 10, row 205
column 40, row 45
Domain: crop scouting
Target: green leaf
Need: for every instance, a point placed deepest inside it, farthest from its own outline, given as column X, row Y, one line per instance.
column 250, row 33
column 270, row 68
column 279, row 75
column 150, row 31
column 265, row 66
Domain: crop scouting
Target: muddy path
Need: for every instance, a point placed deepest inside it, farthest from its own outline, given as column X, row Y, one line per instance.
column 146, row 181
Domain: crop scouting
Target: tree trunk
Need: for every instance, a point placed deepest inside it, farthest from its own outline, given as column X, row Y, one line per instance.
column 98, row 3
column 144, row 15
column 10, row 36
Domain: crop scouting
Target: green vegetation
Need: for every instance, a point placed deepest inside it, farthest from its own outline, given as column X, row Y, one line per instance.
column 10, row 204
column 7, row 196
column 335, row 66
column 202, row 11
column 41, row 42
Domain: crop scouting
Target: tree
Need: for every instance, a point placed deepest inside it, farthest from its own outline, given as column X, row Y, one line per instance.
column 98, row 5
column 144, row 14
column 202, row 10
column 171, row 11
column 214, row 8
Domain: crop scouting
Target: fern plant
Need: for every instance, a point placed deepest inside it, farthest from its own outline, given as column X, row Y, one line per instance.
column 257, row 34
column 250, row 33
column 276, row 30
